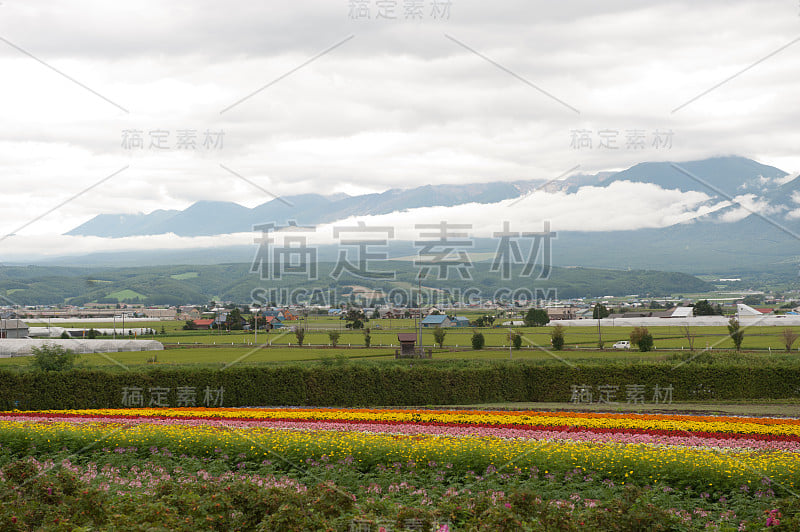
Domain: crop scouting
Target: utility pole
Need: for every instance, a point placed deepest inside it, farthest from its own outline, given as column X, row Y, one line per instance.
column 419, row 313
column 599, row 334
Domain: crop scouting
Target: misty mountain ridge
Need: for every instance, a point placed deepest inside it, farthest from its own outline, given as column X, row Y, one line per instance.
column 727, row 239
column 721, row 178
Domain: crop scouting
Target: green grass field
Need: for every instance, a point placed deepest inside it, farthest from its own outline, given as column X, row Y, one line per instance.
column 123, row 295
column 575, row 337
column 384, row 334
column 221, row 356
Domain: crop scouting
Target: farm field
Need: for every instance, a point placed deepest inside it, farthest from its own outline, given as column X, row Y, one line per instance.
column 248, row 355
column 400, row 469
column 665, row 337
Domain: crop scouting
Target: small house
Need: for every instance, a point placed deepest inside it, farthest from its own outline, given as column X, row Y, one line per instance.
column 407, row 342
column 273, row 322
column 437, row 320
column 203, row 324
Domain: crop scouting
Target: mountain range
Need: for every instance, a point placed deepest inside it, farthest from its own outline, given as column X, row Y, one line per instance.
column 721, row 178
column 727, row 239
column 206, row 218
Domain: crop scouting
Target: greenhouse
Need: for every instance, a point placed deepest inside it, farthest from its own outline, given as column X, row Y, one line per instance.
column 24, row 347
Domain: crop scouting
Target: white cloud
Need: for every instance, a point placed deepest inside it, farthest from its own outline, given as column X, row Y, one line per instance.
column 620, row 206
column 748, row 204
column 399, row 105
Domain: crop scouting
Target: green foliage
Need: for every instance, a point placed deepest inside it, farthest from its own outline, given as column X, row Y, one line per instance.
column 355, row 318
column 600, row 311
column 642, row 338
column 478, row 341
column 438, row 335
column 736, row 333
column 484, row 321
column 557, row 337
column 704, row 308
column 367, row 337
column 398, row 385
column 161, row 286
column 536, row 317
column 516, row 340
column 333, row 336
column 233, row 321
column 300, row 334
column 188, row 326
column 754, row 299
column 51, row 357
column 202, row 494
column 645, row 343
column 789, row 338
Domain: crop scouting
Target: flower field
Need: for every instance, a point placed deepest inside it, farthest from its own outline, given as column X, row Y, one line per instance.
column 692, row 471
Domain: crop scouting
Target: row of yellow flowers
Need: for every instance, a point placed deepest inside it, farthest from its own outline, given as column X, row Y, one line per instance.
column 685, row 423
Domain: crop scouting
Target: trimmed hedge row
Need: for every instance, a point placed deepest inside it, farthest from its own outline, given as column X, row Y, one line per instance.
column 353, row 385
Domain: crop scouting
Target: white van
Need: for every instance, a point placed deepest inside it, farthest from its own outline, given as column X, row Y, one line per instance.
column 623, row 344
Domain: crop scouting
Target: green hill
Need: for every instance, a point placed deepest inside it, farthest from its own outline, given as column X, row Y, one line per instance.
column 160, row 285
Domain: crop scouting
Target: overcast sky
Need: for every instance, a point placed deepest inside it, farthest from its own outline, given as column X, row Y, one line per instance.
column 461, row 91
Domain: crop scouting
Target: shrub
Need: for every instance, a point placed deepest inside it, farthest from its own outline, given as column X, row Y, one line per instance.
column 789, row 338
column 335, row 383
column 367, row 337
column 300, row 334
column 536, row 317
column 478, row 341
column 645, row 343
column 516, row 340
column 438, row 335
column 333, row 336
column 641, row 337
column 557, row 337
column 736, row 333
column 51, row 357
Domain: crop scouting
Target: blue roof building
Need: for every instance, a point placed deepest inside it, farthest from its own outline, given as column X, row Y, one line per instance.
column 437, row 320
